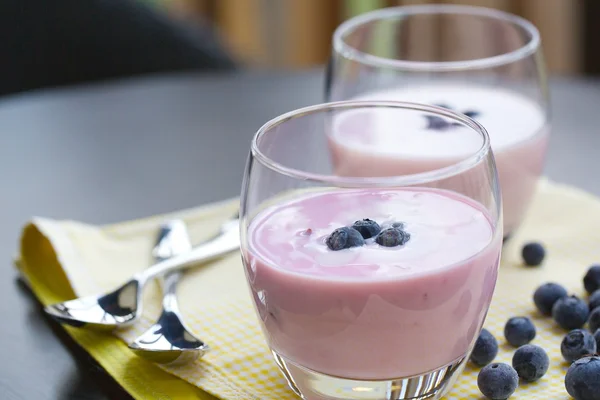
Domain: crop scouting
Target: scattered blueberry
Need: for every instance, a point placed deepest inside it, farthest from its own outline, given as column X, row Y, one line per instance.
column 570, row 312
column 576, row 344
column 519, row 331
column 472, row 113
column 344, row 238
column 582, row 381
column 594, row 300
column 594, row 320
column 392, row 237
column 485, row 350
column 533, row 254
column 546, row 295
column 497, row 381
column 367, row 228
column 591, row 280
column 597, row 337
column 531, row 362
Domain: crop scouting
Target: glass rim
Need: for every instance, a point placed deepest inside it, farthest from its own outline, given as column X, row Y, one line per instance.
column 349, row 52
column 454, row 169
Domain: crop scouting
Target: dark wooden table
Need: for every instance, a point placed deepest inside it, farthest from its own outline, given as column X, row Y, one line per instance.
column 128, row 149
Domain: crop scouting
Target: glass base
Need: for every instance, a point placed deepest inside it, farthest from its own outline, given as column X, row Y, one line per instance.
column 311, row 385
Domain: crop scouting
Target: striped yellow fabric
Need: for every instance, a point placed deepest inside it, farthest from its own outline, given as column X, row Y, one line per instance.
column 61, row 259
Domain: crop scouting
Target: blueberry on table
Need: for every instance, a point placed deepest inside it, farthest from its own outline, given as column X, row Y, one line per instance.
column 485, row 350
column 531, row 362
column 591, row 280
column 576, row 344
column 546, row 295
column 497, row 381
column 519, row 331
column 594, row 300
column 392, row 237
column 367, row 228
column 570, row 312
column 533, row 254
column 583, row 379
column 594, row 320
column 344, row 238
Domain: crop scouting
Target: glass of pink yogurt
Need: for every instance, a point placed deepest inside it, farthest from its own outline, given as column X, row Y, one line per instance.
column 370, row 287
column 482, row 62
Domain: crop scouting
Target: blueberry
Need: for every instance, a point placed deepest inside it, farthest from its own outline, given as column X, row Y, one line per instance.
column 591, row 280
column 399, row 225
column 392, row 237
column 437, row 123
column 582, row 380
column 344, row 238
column 497, row 381
column 367, row 228
column 533, row 254
column 594, row 300
column 519, row 331
column 594, row 320
column 485, row 350
column 546, row 295
column 576, row 344
column 570, row 312
column 472, row 113
column 597, row 337
column 531, row 362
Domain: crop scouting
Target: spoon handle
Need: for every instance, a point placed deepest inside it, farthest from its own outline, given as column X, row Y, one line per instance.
column 169, row 284
column 228, row 240
column 173, row 239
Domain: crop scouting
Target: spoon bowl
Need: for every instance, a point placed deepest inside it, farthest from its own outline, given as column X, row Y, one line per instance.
column 123, row 306
column 169, row 340
column 117, row 308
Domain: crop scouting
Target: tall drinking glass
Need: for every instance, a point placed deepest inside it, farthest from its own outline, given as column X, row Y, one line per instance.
column 481, row 62
column 370, row 287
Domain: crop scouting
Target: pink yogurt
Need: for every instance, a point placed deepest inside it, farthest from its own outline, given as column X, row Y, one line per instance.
column 373, row 312
column 376, row 143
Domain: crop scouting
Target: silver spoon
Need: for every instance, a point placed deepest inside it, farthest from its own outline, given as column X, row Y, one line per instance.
column 123, row 306
column 169, row 341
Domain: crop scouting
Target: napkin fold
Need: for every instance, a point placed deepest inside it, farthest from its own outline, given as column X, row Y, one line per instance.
column 65, row 259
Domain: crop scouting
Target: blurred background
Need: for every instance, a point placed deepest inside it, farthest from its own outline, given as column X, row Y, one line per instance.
column 296, row 33
column 60, row 42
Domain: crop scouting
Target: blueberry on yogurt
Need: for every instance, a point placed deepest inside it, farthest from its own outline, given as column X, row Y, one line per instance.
column 344, row 238
column 367, row 228
column 392, row 237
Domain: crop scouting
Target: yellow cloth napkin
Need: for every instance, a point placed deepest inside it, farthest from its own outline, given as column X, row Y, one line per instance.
column 64, row 259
